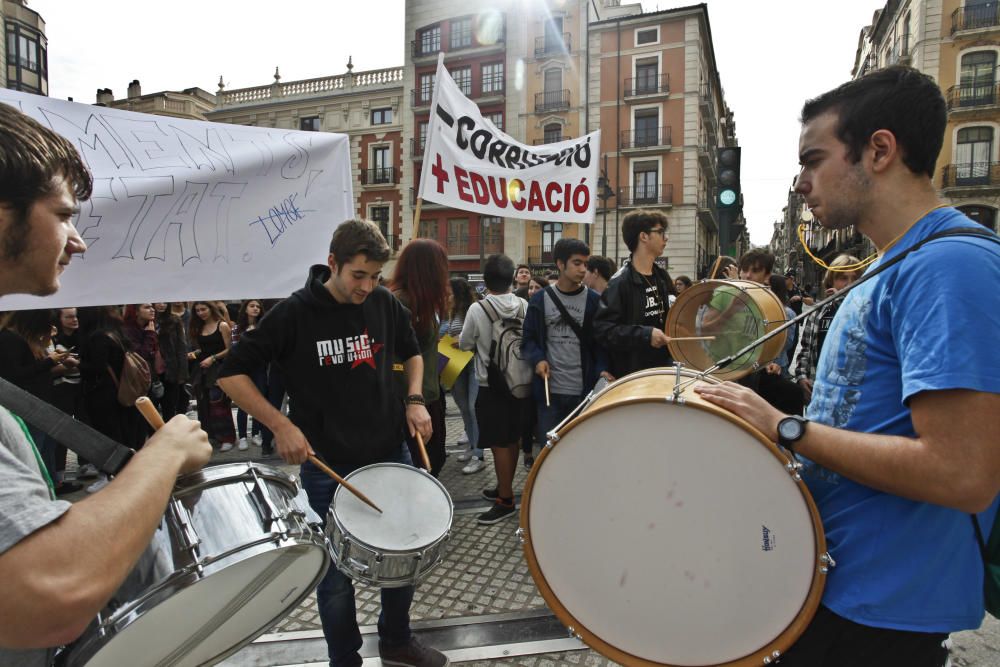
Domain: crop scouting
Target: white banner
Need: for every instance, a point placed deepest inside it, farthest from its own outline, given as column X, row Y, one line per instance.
column 186, row 209
column 471, row 165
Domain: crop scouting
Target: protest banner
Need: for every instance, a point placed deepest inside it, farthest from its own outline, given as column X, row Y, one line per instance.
column 185, row 209
column 472, row 165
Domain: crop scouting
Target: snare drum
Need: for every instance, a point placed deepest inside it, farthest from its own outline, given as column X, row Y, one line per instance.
column 737, row 313
column 237, row 549
column 668, row 531
column 403, row 543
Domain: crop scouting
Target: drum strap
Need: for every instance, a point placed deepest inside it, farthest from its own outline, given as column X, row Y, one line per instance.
column 570, row 320
column 981, row 232
column 109, row 456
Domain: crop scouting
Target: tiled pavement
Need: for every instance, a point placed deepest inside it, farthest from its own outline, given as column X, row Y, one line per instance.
column 484, row 573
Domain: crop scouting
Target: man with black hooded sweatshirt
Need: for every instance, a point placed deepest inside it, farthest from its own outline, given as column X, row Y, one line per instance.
column 335, row 341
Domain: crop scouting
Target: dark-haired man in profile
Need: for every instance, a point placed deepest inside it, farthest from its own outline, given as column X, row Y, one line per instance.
column 900, row 444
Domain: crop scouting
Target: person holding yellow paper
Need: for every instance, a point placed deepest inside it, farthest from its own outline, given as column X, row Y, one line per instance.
column 466, row 386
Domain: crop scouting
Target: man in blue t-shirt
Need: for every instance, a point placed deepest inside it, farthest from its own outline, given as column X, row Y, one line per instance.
column 900, row 444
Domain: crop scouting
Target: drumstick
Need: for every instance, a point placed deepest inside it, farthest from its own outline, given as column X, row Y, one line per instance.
column 693, row 338
column 545, row 378
column 423, row 452
column 343, row 482
column 715, row 267
column 148, row 410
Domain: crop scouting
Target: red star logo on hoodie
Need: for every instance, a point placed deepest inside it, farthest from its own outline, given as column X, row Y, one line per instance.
column 368, row 358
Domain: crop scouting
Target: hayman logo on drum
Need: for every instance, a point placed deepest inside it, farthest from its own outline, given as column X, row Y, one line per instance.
column 355, row 350
column 767, row 539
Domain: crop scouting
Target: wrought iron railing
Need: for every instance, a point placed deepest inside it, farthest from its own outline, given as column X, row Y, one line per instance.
column 649, row 84
column 379, row 176
column 966, row 95
column 971, row 174
column 975, row 18
column 646, row 137
column 552, row 43
column 551, row 100
column 646, row 195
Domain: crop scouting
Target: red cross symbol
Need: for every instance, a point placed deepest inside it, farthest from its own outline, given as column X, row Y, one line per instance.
column 440, row 174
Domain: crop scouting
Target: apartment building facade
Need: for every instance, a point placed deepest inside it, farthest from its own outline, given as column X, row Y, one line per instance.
column 657, row 96
column 24, row 61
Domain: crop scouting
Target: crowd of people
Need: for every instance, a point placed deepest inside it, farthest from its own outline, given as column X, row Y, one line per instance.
column 894, row 430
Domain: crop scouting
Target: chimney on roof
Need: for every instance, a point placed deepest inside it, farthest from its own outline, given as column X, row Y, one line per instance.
column 105, row 97
column 134, row 90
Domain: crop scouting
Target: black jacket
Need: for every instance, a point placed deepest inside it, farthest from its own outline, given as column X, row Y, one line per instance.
column 336, row 360
column 622, row 327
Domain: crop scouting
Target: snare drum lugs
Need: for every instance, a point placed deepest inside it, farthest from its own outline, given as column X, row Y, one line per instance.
column 403, row 543
column 669, row 533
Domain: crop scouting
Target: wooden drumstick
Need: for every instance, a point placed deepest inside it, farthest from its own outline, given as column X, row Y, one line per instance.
column 149, row 411
column 545, row 378
column 692, row 338
column 344, row 483
column 715, row 267
column 423, row 452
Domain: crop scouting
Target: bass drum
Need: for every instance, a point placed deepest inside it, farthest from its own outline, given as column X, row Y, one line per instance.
column 237, row 549
column 670, row 532
column 736, row 313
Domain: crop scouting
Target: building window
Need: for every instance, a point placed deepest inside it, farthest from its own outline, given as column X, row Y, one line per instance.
column 645, row 182
column 553, row 133
column 495, row 117
column 463, row 79
column 647, row 127
column 984, row 215
column 977, row 78
column 551, row 232
column 380, row 216
column 426, row 88
column 493, row 78
column 461, row 33
column 554, row 35
column 458, row 237
column 427, row 229
column 647, row 77
column 430, row 40
column 647, row 36
column 492, row 231
column 381, row 171
column 382, row 116
column 309, row 124
column 973, row 156
column 422, row 136
column 27, row 53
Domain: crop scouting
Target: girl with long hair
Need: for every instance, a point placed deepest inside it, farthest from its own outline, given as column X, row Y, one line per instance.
column 211, row 339
column 139, row 326
column 420, row 282
column 251, row 310
column 466, row 387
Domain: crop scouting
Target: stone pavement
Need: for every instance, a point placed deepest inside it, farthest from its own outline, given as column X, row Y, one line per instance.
column 484, row 573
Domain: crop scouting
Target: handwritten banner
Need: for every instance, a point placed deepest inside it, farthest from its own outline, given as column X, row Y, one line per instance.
column 471, row 165
column 186, row 209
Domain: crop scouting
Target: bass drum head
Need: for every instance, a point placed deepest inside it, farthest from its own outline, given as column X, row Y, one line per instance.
column 744, row 311
column 666, row 534
column 416, row 508
column 245, row 595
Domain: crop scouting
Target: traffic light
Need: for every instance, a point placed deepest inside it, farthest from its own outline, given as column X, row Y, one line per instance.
column 729, row 178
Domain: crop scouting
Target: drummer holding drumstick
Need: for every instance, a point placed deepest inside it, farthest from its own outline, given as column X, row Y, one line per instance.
column 900, row 445
column 61, row 563
column 335, row 341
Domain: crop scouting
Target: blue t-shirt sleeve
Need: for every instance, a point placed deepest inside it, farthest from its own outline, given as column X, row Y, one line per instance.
column 945, row 334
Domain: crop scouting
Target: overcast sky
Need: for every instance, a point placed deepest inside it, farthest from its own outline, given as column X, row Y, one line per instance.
column 771, row 57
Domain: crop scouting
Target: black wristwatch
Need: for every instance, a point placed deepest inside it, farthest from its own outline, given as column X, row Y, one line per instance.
column 790, row 431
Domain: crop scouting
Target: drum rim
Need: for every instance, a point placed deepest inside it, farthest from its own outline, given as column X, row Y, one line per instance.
column 331, row 515
column 744, row 285
column 211, row 475
column 781, row 643
column 115, row 624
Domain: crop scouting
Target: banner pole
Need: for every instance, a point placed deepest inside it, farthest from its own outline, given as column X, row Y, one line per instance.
column 416, row 218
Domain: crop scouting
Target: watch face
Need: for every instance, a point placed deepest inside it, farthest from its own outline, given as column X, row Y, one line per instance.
column 789, row 429
column 727, row 197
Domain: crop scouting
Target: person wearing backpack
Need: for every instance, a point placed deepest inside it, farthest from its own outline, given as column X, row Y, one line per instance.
column 633, row 312
column 899, row 444
column 559, row 338
column 493, row 328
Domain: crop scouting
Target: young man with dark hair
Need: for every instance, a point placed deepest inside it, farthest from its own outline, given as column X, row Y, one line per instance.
column 61, row 564
column 522, row 276
column 899, row 446
column 559, row 338
column 500, row 417
column 335, row 340
column 629, row 323
column 599, row 272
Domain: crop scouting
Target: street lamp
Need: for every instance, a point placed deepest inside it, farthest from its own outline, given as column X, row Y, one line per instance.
column 604, row 194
